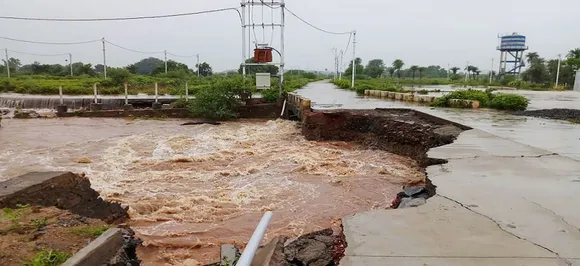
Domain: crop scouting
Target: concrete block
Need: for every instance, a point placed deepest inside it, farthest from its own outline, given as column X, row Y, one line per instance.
column 228, row 254
column 398, row 96
column 100, row 251
column 367, row 92
column 96, row 106
column 460, row 103
column 408, row 97
column 390, row 95
column 384, row 94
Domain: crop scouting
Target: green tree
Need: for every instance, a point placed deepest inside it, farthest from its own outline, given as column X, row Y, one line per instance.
column 421, row 71
column 118, row 75
column 574, row 53
column 252, row 70
column 454, row 70
column 83, row 69
column 13, row 64
column 532, row 57
column 359, row 67
column 100, row 68
column 145, row 66
column 414, row 69
column 171, row 66
column 391, row 71
column 204, row 69
column 398, row 65
column 375, row 68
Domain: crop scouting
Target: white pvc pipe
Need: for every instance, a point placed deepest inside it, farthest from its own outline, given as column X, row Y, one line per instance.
column 254, row 243
column 283, row 108
column 60, row 94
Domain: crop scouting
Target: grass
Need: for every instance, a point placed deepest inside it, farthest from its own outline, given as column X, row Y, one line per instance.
column 13, row 215
column 48, row 257
column 574, row 121
column 90, row 231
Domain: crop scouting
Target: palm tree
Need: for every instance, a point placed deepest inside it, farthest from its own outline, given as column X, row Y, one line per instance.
column 391, row 71
column 421, row 70
column 469, row 69
column 414, row 69
column 454, row 70
column 398, row 65
column 574, row 54
column 477, row 72
column 532, row 57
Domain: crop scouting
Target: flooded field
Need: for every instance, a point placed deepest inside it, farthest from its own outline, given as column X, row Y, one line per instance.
column 191, row 188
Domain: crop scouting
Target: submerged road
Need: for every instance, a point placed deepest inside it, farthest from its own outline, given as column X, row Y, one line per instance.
column 508, row 195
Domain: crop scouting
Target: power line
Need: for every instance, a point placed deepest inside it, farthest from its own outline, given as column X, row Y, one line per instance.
column 37, row 54
column 124, row 18
column 131, row 50
column 182, row 55
column 52, row 43
column 311, row 25
column 348, row 43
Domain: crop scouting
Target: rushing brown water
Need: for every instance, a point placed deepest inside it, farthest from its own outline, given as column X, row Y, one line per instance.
column 192, row 188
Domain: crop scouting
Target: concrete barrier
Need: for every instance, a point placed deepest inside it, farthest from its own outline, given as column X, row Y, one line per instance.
column 408, row 97
column 384, row 94
column 100, row 251
column 398, row 96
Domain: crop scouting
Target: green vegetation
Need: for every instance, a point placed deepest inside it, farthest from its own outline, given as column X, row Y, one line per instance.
column 475, row 95
column 507, row 101
column 510, row 102
column 90, row 231
column 13, row 215
column 220, row 100
column 48, row 258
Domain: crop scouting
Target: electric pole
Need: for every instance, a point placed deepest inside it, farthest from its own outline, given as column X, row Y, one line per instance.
column 340, row 65
column 448, row 65
column 70, row 64
column 197, row 65
column 467, row 71
column 335, row 51
column 104, row 58
column 558, row 71
column 165, row 61
column 7, row 63
column 491, row 72
column 353, row 58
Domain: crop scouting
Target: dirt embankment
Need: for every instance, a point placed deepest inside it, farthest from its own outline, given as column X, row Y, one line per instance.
column 572, row 115
column 47, row 217
column 400, row 131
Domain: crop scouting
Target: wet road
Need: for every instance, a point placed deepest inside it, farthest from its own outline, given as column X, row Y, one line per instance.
column 552, row 135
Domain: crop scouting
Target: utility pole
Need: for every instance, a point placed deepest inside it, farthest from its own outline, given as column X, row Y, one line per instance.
column 197, row 65
column 340, row 65
column 491, row 72
column 282, row 27
column 70, row 64
column 558, row 72
column 165, row 61
column 7, row 63
column 104, row 58
column 353, row 58
column 448, row 66
column 467, row 71
column 243, row 38
column 335, row 51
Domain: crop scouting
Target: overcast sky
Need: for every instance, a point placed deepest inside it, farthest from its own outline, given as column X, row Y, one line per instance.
column 420, row 32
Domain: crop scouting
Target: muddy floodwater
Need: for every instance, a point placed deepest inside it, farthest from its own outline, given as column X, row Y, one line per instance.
column 192, row 188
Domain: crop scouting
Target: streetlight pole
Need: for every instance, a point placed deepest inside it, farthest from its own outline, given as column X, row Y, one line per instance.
column 104, row 58
column 466, row 71
column 70, row 64
column 491, row 72
column 7, row 63
column 165, row 52
column 448, row 65
column 197, row 65
column 353, row 58
column 558, row 72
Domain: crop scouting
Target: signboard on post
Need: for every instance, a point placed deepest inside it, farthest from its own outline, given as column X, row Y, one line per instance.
column 263, row 81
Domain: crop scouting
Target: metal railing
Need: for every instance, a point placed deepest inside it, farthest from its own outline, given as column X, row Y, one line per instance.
column 254, row 243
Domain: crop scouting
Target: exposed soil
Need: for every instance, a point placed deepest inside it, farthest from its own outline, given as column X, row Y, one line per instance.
column 572, row 115
column 27, row 231
column 64, row 190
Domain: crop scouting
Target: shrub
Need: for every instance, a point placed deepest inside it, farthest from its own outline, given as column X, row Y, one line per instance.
column 470, row 94
column 220, row 100
column 341, row 83
column 119, row 76
column 270, row 95
column 360, row 89
column 49, row 258
column 508, row 101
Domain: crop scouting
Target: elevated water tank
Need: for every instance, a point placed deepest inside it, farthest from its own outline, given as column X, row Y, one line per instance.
column 514, row 42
